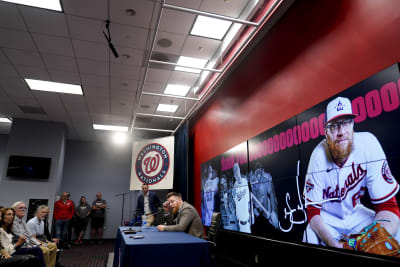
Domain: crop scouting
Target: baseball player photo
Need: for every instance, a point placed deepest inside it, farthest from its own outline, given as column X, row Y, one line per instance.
column 241, row 197
column 343, row 167
column 210, row 195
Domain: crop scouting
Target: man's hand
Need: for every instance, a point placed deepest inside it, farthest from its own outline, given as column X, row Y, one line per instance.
column 166, row 206
column 21, row 240
column 160, row 227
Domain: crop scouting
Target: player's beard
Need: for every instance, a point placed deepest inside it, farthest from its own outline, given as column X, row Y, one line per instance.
column 340, row 154
column 175, row 210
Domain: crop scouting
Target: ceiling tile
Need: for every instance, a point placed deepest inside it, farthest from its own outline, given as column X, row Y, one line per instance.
column 65, row 77
column 91, row 50
column 53, row 45
column 93, row 67
column 199, row 47
column 124, row 84
column 157, row 75
column 44, row 21
column 132, row 37
column 22, row 57
column 94, row 80
column 86, row 29
column 125, row 71
column 176, row 21
column 177, row 41
column 193, row 4
column 88, row 8
column 231, row 8
column 128, row 56
column 8, row 70
column 33, row 73
column 143, row 9
column 60, row 63
column 10, row 17
column 16, row 40
column 183, row 78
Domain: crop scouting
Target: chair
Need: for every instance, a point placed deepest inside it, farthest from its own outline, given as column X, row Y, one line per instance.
column 159, row 217
column 213, row 234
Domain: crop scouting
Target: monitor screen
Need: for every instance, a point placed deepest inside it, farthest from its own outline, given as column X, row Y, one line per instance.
column 28, row 167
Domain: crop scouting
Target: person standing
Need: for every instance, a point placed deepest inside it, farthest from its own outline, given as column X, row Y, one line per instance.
column 82, row 213
column 98, row 216
column 148, row 204
column 63, row 212
column 241, row 197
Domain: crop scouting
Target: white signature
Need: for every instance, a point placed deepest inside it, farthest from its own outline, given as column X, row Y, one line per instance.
column 289, row 211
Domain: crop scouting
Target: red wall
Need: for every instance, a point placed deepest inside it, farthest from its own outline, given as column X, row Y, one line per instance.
column 316, row 50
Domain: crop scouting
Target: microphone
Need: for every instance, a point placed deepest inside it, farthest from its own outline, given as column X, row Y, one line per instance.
column 113, row 49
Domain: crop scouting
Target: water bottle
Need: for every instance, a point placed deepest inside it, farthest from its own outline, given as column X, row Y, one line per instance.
column 144, row 221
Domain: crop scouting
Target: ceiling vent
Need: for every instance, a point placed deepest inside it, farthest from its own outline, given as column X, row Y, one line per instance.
column 32, row 110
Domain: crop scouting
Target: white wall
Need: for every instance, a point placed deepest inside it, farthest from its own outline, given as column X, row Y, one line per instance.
column 97, row 167
column 32, row 138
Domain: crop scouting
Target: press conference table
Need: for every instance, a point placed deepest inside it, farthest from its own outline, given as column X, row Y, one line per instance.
column 163, row 249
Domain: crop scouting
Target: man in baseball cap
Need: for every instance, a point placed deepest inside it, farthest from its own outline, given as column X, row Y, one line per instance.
column 339, row 128
column 342, row 168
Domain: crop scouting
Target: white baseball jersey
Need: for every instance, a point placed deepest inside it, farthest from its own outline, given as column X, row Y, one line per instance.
column 210, row 189
column 241, row 196
column 337, row 191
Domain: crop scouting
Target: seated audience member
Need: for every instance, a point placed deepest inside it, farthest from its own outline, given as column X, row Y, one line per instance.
column 47, row 232
column 21, row 229
column 14, row 245
column 7, row 260
column 82, row 212
column 147, row 204
column 181, row 216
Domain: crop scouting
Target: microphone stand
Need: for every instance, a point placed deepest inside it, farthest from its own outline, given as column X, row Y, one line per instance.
column 123, row 204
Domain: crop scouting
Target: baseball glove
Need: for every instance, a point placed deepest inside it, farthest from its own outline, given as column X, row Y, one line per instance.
column 373, row 239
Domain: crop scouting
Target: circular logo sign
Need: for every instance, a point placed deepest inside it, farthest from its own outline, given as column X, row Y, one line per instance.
column 152, row 163
column 386, row 174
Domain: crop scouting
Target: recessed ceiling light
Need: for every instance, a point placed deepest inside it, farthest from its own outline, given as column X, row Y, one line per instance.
column 110, row 128
column 4, row 119
column 210, row 27
column 54, row 87
column 191, row 62
column 120, row 138
column 175, row 89
column 130, row 12
column 46, row 4
column 167, row 108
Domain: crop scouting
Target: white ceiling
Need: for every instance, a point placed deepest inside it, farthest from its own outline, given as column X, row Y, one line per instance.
column 70, row 47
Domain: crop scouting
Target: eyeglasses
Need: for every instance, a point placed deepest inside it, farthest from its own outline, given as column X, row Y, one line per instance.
column 22, row 208
column 334, row 127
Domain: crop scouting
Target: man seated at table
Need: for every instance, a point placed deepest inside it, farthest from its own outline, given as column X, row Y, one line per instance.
column 180, row 216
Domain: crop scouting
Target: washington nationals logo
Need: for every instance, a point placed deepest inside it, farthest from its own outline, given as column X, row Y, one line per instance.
column 152, row 163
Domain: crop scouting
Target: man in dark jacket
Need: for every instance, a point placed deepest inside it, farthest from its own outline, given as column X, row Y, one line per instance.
column 147, row 204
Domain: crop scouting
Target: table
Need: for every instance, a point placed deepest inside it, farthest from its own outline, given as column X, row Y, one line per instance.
column 163, row 249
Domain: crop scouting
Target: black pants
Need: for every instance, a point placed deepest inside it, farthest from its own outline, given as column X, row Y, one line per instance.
column 35, row 251
column 21, row 261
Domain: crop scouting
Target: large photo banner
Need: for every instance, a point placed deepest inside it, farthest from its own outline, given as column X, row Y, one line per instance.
column 328, row 176
column 210, row 183
column 153, row 164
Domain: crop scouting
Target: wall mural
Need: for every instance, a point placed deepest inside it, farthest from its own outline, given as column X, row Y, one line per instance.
column 336, row 164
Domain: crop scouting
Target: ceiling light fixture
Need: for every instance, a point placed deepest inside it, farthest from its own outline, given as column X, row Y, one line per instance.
column 104, row 127
column 210, row 27
column 54, row 87
column 5, row 119
column 167, row 108
column 175, row 89
column 46, row 4
column 190, row 62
